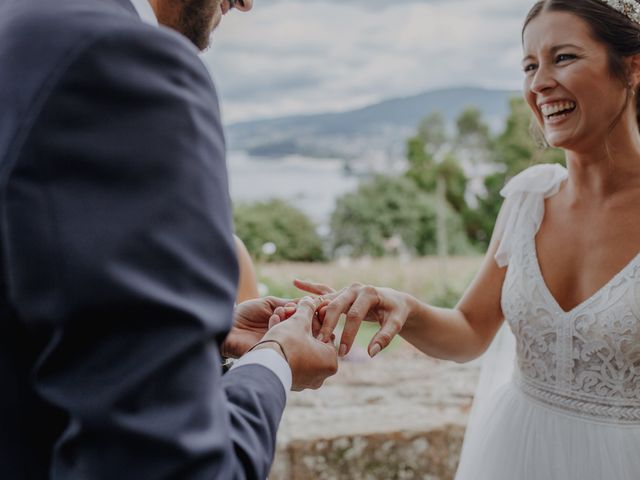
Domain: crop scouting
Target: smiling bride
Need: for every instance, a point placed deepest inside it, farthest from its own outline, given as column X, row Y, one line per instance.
column 563, row 267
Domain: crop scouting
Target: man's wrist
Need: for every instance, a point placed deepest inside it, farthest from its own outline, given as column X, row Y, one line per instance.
column 271, row 344
column 269, row 357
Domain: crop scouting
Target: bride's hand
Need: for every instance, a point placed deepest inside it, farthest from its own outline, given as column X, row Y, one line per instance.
column 388, row 307
column 311, row 287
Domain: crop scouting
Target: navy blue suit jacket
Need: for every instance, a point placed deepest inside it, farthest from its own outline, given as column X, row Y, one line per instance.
column 118, row 271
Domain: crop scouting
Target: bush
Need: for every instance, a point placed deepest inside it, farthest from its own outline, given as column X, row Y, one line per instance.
column 275, row 222
column 388, row 215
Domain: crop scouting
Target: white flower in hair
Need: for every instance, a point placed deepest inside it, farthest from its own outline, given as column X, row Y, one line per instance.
column 629, row 8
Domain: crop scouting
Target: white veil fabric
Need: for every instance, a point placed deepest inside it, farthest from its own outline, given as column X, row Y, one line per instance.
column 497, row 367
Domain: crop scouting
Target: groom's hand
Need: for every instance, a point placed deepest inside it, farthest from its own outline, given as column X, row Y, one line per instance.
column 311, row 360
column 251, row 323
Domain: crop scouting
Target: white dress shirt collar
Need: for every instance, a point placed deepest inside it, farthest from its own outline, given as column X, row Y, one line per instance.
column 146, row 13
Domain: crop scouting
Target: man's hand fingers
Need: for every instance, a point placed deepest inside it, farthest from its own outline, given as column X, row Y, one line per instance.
column 326, row 358
column 390, row 328
column 273, row 321
column 305, row 311
column 365, row 301
column 277, row 302
column 311, row 287
column 280, row 312
column 320, row 362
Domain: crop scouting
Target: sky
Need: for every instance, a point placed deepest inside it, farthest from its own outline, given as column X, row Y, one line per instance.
column 308, row 56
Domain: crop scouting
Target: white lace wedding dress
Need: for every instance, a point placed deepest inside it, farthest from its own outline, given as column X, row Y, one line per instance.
column 571, row 409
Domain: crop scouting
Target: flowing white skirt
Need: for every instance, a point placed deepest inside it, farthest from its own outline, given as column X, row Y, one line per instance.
column 516, row 437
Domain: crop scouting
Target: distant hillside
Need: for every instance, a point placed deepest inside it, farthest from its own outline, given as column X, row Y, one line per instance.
column 381, row 127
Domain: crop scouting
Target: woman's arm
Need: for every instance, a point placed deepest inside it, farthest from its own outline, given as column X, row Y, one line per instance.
column 464, row 332
column 459, row 334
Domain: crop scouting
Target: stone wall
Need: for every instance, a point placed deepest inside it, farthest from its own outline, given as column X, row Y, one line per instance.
column 399, row 416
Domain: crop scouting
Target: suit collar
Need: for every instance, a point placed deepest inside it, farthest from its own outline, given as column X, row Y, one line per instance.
column 145, row 12
column 126, row 4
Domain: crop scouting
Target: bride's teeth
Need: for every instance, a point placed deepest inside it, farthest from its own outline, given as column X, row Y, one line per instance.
column 552, row 108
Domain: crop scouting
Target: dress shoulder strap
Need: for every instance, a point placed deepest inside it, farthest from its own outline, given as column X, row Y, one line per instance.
column 523, row 208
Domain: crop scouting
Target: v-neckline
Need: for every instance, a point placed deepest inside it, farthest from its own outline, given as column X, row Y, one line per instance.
column 587, row 300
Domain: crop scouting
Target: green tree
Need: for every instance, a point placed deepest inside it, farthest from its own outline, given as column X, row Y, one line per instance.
column 514, row 150
column 429, row 158
column 275, row 222
column 422, row 149
column 472, row 131
column 386, row 210
column 433, row 133
column 422, row 167
column 473, row 143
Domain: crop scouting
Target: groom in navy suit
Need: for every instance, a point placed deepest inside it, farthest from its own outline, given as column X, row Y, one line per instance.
column 118, row 272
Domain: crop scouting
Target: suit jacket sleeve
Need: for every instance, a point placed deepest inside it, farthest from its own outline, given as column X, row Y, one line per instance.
column 117, row 230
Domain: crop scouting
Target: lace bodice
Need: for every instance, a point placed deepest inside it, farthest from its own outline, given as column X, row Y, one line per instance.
column 586, row 360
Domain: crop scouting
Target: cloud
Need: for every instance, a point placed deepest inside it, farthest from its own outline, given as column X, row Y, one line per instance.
column 289, row 56
column 372, row 4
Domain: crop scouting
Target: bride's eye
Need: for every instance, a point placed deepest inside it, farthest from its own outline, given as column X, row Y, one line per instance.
column 565, row 57
column 529, row 67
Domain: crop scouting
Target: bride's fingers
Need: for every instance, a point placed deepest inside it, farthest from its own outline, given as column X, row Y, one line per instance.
column 391, row 326
column 289, row 310
column 356, row 314
column 316, row 324
column 311, row 287
column 322, row 311
column 339, row 305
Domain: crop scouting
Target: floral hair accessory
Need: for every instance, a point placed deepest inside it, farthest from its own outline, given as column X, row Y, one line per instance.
column 629, row 8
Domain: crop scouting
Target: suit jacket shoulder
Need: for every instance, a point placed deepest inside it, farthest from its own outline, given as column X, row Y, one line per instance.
column 39, row 39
